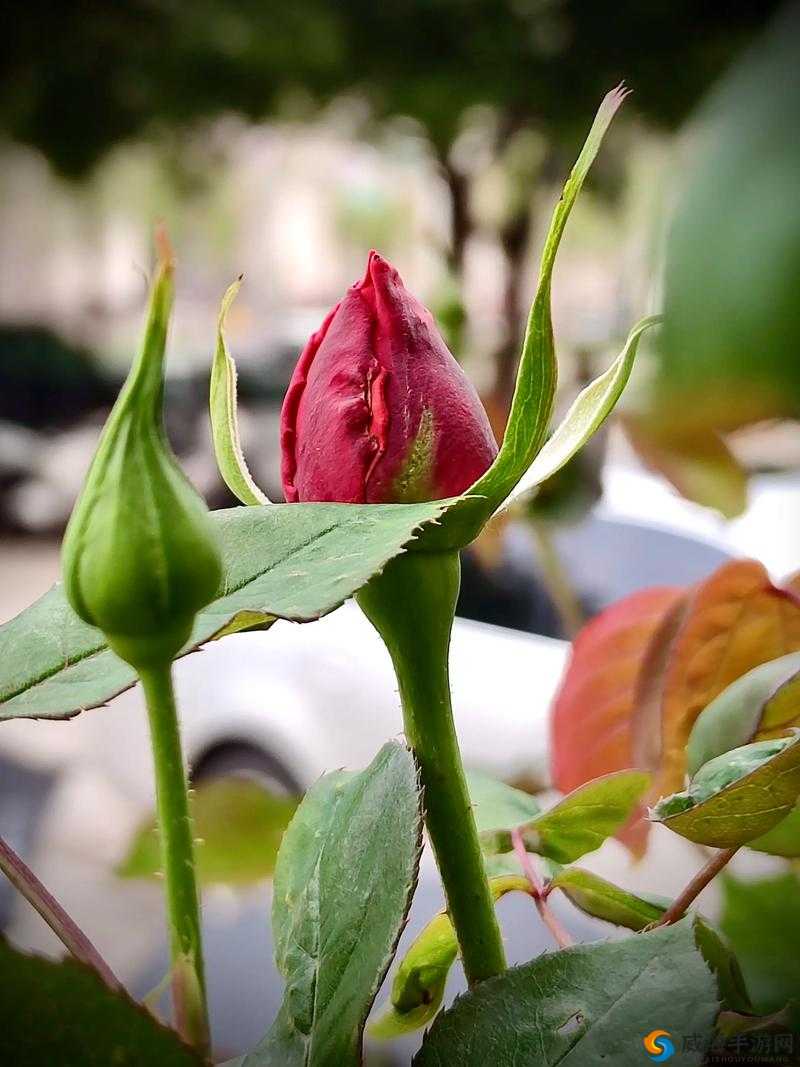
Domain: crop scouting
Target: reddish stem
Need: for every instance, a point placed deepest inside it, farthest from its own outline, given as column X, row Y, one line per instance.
column 706, row 874
column 42, row 900
column 563, row 939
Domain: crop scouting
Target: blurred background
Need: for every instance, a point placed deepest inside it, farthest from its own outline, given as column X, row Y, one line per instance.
column 285, row 141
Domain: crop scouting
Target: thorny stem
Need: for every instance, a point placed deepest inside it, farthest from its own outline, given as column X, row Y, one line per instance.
column 411, row 604
column 177, row 856
column 42, row 900
column 706, row 874
column 562, row 938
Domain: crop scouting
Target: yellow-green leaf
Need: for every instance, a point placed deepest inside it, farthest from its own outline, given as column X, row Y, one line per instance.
column 581, row 821
column 604, row 900
column 238, row 825
column 742, row 809
column 419, row 983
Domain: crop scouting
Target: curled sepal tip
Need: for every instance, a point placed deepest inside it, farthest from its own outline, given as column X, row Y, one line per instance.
column 140, row 555
column 224, row 414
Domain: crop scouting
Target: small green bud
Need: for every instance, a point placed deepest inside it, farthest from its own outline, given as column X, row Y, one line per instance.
column 140, row 554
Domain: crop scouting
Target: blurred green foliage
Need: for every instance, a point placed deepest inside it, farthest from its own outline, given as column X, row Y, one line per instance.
column 78, row 79
column 239, row 826
column 731, row 313
column 761, row 920
column 729, row 346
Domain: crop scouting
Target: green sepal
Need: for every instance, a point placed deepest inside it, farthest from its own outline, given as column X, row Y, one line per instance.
column 224, row 414
column 534, row 394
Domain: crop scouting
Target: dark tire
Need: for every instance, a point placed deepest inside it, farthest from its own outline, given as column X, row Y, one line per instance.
column 240, row 759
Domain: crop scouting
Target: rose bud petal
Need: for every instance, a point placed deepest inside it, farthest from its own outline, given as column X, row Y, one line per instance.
column 378, row 410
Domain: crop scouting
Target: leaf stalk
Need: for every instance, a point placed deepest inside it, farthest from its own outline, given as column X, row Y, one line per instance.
column 63, row 926
column 562, row 938
column 706, row 874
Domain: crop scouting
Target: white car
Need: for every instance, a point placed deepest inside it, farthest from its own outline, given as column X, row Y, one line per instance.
column 298, row 700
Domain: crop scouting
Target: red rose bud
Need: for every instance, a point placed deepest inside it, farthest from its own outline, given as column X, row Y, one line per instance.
column 378, row 410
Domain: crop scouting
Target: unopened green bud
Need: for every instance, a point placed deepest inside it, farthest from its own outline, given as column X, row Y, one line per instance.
column 140, row 553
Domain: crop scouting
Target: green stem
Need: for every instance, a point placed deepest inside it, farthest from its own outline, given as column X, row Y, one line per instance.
column 557, row 582
column 177, row 855
column 412, row 604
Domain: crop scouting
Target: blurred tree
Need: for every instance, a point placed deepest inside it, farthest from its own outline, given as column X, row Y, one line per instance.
column 78, row 78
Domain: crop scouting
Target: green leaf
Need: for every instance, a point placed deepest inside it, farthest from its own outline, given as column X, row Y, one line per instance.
column 497, row 806
column 238, row 825
column 346, row 872
column 292, row 561
column 61, row 1013
column 604, row 900
column 589, row 411
column 731, row 324
column 532, row 404
column 498, row 865
column 766, row 698
column 761, row 921
column 224, row 416
column 580, row 822
column 783, row 839
column 419, row 983
column 719, row 957
column 726, row 808
column 586, row 1005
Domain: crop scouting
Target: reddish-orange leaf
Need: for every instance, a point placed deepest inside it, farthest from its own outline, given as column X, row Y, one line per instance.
column 591, row 719
column 792, row 583
column 735, row 620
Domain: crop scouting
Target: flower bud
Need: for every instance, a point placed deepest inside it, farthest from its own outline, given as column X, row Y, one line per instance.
column 378, row 410
column 140, row 553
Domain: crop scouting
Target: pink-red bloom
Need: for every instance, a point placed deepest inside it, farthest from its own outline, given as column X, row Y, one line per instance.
column 378, row 410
